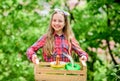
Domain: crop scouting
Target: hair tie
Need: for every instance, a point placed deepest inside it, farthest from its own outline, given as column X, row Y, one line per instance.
column 59, row 10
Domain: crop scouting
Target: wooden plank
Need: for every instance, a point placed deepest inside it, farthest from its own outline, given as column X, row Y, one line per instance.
column 47, row 64
column 44, row 71
column 40, row 69
column 44, row 77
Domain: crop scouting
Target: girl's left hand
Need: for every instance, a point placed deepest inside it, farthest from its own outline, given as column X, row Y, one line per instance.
column 83, row 58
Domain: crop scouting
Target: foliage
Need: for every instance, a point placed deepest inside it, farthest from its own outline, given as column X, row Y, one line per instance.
column 22, row 23
column 113, row 73
column 20, row 26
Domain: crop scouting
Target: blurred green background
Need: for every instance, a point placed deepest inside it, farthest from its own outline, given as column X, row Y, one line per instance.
column 96, row 25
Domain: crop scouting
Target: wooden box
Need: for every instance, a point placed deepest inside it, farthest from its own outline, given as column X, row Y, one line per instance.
column 43, row 72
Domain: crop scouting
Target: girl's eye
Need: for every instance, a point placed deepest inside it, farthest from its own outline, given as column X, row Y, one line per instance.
column 60, row 21
column 54, row 20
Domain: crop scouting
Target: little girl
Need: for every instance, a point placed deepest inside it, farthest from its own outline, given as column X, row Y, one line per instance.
column 59, row 39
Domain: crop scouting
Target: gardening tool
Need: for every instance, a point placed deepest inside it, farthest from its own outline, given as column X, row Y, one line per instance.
column 58, row 63
column 71, row 65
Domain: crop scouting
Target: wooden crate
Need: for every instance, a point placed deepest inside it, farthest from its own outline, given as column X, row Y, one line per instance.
column 43, row 72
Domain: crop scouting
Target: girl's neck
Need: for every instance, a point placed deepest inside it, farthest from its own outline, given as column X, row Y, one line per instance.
column 59, row 33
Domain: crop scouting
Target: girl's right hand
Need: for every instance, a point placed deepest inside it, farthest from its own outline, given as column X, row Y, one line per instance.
column 35, row 60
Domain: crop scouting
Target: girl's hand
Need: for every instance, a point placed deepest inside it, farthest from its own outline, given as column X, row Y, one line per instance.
column 35, row 60
column 83, row 58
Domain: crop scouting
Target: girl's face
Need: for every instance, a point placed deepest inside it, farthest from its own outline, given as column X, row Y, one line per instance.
column 58, row 22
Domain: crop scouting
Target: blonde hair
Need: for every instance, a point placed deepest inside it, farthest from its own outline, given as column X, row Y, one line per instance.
column 49, row 45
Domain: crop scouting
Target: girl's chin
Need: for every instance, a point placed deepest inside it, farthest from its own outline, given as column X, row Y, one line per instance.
column 57, row 30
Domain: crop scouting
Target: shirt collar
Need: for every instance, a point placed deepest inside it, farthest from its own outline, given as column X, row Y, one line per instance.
column 55, row 34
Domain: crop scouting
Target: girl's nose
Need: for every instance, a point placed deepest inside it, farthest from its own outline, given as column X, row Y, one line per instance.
column 56, row 22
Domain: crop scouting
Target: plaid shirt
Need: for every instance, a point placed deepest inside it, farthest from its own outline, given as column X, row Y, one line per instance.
column 60, row 47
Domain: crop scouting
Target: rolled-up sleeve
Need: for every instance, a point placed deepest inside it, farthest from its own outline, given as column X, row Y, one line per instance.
column 35, row 47
column 75, row 46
